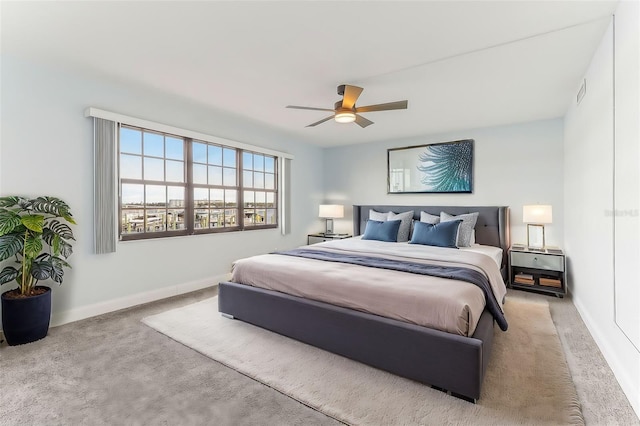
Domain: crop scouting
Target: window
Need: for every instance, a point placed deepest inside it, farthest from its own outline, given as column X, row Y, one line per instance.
column 215, row 186
column 259, row 183
column 172, row 185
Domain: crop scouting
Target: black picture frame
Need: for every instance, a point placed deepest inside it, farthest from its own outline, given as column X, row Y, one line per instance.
column 438, row 168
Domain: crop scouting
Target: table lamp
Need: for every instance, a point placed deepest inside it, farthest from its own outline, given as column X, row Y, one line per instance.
column 330, row 212
column 535, row 216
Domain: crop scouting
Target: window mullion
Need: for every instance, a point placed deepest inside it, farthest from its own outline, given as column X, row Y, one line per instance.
column 239, row 171
column 189, row 211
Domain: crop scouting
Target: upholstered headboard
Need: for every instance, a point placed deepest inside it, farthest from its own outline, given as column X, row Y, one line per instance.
column 492, row 227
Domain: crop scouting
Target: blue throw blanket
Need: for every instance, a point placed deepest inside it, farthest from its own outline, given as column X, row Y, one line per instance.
column 454, row 273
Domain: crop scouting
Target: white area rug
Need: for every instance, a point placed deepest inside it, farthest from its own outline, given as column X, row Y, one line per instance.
column 527, row 381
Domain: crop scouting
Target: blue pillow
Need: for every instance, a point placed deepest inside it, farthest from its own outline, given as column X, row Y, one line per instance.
column 382, row 231
column 443, row 234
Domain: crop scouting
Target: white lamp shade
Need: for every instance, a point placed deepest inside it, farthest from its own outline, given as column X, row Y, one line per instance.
column 331, row 211
column 537, row 214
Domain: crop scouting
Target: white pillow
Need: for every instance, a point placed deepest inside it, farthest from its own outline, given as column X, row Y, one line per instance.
column 381, row 217
column 429, row 218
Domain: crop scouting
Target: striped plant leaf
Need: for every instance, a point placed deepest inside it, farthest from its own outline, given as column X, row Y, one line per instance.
column 48, row 235
column 61, row 229
column 9, row 201
column 55, row 244
column 32, row 246
column 57, row 273
column 59, row 262
column 50, row 205
column 9, row 273
column 53, row 206
column 41, row 270
column 9, row 221
column 66, row 249
column 11, row 244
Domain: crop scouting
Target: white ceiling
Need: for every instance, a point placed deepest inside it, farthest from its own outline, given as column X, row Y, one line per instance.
column 459, row 64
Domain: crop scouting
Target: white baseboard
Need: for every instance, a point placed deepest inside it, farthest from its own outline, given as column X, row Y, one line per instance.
column 76, row 314
column 610, row 356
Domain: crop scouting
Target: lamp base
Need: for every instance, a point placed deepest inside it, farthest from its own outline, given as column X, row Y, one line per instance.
column 535, row 237
column 328, row 230
column 541, row 250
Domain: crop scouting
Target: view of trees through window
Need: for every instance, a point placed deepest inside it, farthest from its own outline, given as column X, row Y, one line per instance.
column 170, row 185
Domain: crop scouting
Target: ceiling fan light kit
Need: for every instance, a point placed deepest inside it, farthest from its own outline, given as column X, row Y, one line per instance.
column 345, row 116
column 345, row 111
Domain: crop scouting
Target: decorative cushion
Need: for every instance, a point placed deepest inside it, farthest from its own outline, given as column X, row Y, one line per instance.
column 380, row 217
column 429, row 218
column 468, row 224
column 443, row 234
column 382, row 231
column 405, row 225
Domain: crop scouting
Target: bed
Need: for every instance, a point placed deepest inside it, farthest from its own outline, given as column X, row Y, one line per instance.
column 444, row 360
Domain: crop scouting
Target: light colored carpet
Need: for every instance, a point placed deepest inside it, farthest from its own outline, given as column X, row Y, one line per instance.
column 527, row 381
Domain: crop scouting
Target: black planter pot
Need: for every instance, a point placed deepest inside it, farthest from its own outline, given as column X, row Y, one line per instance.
column 26, row 320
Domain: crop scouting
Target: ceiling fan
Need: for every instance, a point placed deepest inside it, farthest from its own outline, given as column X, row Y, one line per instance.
column 345, row 111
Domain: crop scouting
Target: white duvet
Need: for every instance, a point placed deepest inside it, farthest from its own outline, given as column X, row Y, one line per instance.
column 444, row 304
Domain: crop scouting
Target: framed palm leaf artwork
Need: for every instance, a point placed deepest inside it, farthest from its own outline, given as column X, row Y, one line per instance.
column 445, row 167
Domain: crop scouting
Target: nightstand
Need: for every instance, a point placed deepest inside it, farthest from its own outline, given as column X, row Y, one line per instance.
column 320, row 238
column 541, row 271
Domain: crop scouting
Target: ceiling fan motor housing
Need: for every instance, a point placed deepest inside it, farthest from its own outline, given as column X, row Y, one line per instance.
column 338, row 107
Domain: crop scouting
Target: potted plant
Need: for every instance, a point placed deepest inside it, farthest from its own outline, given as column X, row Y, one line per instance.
column 33, row 233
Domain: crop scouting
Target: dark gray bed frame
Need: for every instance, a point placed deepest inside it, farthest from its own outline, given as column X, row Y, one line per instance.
column 446, row 361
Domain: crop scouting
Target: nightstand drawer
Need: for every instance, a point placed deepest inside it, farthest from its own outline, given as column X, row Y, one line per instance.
column 537, row 261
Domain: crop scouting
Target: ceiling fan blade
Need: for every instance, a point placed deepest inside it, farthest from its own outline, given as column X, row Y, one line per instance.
column 322, row 121
column 363, row 122
column 351, row 94
column 311, row 108
column 383, row 107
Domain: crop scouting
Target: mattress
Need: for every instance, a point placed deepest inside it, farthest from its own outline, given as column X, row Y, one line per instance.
column 440, row 303
column 493, row 252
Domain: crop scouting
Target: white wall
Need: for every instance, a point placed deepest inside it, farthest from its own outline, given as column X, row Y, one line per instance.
column 627, row 169
column 513, row 166
column 589, row 231
column 46, row 144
